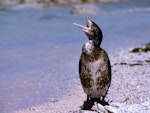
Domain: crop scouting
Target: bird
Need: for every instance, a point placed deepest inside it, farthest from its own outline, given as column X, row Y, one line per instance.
column 94, row 63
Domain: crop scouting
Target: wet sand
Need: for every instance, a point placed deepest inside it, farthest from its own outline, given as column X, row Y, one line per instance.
column 130, row 85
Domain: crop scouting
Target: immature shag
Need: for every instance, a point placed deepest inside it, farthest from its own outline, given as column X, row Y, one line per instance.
column 94, row 64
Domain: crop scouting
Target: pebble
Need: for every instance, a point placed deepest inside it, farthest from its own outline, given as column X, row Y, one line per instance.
column 121, row 108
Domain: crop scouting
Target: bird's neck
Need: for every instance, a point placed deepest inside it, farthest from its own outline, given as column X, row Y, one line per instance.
column 97, row 40
column 91, row 51
column 92, row 55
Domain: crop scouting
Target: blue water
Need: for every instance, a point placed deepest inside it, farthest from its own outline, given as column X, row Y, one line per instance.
column 40, row 48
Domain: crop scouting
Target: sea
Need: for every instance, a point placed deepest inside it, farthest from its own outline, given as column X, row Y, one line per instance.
column 40, row 48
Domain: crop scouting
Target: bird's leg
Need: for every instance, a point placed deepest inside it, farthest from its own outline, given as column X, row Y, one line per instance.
column 88, row 98
column 103, row 101
column 103, row 98
column 87, row 105
column 95, row 100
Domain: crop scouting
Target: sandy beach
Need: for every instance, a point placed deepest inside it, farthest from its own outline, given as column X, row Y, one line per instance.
column 130, row 85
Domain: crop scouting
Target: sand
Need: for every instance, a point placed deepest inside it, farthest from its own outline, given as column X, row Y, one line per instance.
column 130, row 85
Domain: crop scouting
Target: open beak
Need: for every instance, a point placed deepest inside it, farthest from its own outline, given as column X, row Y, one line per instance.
column 86, row 29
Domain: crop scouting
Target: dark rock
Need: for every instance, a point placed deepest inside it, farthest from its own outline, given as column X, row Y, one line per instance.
column 123, row 63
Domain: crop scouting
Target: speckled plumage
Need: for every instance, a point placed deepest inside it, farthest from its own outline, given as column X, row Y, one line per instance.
column 95, row 72
column 94, row 64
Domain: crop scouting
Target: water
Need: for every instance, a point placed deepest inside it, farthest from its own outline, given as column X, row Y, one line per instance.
column 39, row 49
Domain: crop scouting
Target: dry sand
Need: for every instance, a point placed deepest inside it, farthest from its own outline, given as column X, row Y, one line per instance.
column 130, row 85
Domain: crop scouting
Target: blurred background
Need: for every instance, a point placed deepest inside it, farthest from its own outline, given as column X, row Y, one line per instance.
column 40, row 47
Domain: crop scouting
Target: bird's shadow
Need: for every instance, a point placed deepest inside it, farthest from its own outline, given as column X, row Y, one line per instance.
column 88, row 104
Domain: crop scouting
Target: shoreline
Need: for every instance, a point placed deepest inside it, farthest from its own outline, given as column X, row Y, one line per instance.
column 130, row 85
column 36, row 4
column 54, row 2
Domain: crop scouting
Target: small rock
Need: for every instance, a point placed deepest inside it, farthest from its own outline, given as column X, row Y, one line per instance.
column 86, row 111
column 99, row 108
column 33, row 109
column 132, row 83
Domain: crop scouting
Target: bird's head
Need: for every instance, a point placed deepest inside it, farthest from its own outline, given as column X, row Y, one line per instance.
column 92, row 30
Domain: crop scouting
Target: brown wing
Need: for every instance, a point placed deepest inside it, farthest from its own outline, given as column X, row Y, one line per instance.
column 104, row 79
column 84, row 73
